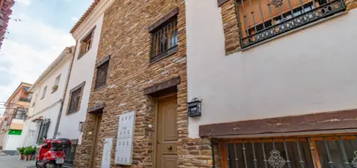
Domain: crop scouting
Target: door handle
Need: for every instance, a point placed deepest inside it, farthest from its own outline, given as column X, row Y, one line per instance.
column 170, row 148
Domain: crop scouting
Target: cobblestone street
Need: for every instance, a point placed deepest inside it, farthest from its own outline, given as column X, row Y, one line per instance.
column 14, row 162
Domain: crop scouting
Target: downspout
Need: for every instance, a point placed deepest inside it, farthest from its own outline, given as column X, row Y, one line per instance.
column 65, row 93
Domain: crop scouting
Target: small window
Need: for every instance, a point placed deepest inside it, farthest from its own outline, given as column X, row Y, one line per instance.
column 86, row 44
column 75, row 99
column 56, row 84
column 44, row 92
column 164, row 39
column 102, row 72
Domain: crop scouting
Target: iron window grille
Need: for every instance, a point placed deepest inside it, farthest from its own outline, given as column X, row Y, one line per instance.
column 164, row 40
column 260, row 20
column 301, row 152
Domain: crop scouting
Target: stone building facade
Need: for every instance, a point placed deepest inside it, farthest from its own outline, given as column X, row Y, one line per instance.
column 213, row 62
column 133, row 83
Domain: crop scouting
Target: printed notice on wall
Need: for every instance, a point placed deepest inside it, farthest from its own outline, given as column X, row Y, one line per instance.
column 107, row 150
column 124, row 147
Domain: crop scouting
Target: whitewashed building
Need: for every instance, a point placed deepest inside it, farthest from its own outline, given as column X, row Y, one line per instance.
column 277, row 81
column 87, row 34
column 47, row 98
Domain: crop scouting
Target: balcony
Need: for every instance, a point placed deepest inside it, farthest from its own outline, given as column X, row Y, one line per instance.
column 259, row 24
column 24, row 99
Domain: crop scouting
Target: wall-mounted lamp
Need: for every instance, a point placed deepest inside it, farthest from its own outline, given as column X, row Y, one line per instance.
column 194, row 108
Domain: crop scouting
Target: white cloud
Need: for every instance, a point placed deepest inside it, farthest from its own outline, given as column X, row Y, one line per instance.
column 24, row 2
column 74, row 19
column 31, row 47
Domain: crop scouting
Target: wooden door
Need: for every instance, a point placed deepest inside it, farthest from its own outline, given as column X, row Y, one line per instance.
column 166, row 153
column 98, row 119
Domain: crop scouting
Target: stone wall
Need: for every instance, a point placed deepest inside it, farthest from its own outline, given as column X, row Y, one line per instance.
column 351, row 4
column 230, row 26
column 125, row 37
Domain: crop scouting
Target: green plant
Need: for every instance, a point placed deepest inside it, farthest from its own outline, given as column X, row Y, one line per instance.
column 30, row 150
column 34, row 149
column 21, row 150
column 27, row 150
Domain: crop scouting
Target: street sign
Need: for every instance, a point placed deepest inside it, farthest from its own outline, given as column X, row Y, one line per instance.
column 15, row 132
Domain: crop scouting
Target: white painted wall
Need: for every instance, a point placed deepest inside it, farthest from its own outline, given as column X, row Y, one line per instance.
column 48, row 107
column 312, row 70
column 30, row 132
column 12, row 142
column 82, row 71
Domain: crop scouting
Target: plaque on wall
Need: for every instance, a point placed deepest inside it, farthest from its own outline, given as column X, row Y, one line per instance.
column 107, row 150
column 125, row 135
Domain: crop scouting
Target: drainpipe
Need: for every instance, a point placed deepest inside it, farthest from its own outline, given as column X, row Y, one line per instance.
column 65, row 93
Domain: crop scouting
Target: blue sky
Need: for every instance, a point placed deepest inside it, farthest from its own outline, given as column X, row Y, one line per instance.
column 38, row 31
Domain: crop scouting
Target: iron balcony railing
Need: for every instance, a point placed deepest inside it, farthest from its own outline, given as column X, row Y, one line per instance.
column 23, row 99
column 293, row 19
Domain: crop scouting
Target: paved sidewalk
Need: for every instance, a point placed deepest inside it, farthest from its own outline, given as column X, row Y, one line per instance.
column 14, row 162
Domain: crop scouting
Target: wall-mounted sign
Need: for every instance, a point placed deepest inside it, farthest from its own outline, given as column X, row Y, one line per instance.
column 124, row 146
column 15, row 132
column 194, row 108
column 107, row 152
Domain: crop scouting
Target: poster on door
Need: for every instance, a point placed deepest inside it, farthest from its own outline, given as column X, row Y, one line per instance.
column 125, row 135
column 107, row 150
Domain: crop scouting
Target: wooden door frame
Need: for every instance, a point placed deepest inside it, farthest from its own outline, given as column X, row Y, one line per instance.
column 155, row 110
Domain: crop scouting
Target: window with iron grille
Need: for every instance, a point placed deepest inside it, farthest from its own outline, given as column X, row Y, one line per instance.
column 75, row 99
column 102, row 73
column 300, row 152
column 164, row 39
column 86, row 44
column 261, row 20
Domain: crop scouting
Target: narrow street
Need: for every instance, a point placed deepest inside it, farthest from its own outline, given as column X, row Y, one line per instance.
column 7, row 161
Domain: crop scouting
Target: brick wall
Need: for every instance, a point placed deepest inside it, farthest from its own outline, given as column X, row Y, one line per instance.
column 126, row 38
column 230, row 25
column 351, row 4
